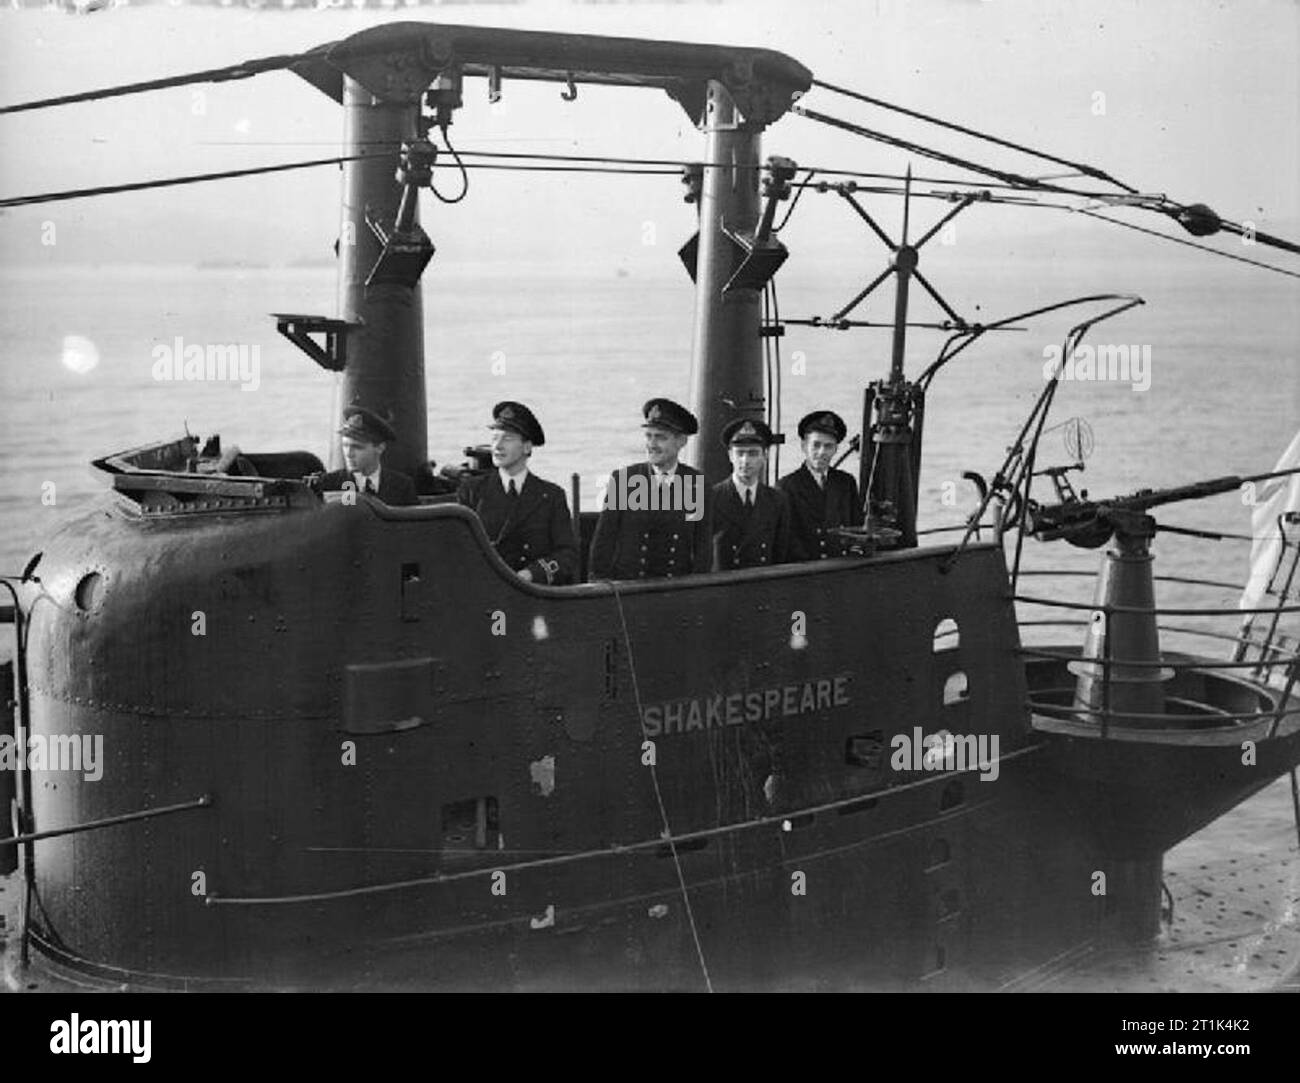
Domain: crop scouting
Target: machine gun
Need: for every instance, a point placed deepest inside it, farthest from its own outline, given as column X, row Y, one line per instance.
column 1121, row 676
column 1089, row 524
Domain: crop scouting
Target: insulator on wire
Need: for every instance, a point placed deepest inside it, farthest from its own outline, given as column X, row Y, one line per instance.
column 693, row 181
column 1198, row 219
column 776, row 181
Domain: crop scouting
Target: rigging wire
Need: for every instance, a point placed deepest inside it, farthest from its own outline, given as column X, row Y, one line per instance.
column 198, row 178
column 669, row 167
column 1016, row 180
column 821, row 186
column 596, row 164
column 243, row 70
column 248, row 68
column 1189, row 244
column 170, row 182
column 676, row 163
column 1160, row 204
column 1012, row 201
column 1079, row 167
column 77, row 193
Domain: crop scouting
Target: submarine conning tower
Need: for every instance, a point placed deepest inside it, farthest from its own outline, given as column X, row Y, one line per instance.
column 386, row 77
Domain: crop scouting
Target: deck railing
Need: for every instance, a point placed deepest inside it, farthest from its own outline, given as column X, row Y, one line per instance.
column 1275, row 664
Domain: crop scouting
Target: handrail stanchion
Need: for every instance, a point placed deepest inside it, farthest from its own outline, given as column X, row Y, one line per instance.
column 1105, row 672
column 1282, row 703
column 1282, row 595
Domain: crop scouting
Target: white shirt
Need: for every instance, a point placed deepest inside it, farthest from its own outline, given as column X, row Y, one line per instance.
column 743, row 489
column 820, row 479
column 360, row 479
column 518, row 479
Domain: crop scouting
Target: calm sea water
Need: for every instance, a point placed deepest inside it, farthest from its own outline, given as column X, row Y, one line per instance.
column 585, row 352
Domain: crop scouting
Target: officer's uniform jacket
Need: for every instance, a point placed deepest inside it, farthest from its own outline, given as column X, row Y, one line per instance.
column 395, row 488
column 815, row 511
column 650, row 544
column 749, row 537
column 537, row 534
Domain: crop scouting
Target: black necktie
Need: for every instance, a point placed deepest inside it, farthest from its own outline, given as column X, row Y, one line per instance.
column 511, row 492
column 749, row 499
column 370, row 485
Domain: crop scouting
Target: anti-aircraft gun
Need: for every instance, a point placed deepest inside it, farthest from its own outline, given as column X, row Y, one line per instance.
column 1123, row 636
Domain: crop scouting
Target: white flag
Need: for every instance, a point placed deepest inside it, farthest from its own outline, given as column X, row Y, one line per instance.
column 1273, row 498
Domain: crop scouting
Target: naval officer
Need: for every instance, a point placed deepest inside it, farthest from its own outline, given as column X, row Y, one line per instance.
column 751, row 520
column 526, row 518
column 821, row 497
column 366, row 436
column 655, row 518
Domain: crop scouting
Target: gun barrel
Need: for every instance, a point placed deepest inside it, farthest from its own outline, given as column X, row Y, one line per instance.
column 1197, row 489
column 1155, row 497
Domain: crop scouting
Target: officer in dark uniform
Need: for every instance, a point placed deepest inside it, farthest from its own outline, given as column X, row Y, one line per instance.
column 821, row 497
column 751, row 520
column 526, row 518
column 655, row 518
column 366, row 435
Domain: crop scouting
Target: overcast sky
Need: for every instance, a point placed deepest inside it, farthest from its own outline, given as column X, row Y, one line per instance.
column 1194, row 98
